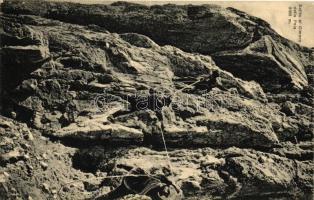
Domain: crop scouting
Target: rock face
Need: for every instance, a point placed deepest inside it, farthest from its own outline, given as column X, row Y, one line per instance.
column 63, row 95
column 131, row 92
column 267, row 58
column 243, row 44
column 229, row 173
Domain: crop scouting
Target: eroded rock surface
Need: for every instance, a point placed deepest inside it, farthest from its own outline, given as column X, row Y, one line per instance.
column 251, row 44
column 267, row 58
column 117, row 98
column 60, row 94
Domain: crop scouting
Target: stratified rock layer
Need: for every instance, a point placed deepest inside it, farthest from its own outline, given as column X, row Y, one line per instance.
column 85, row 86
column 262, row 61
column 229, row 173
column 62, row 96
column 251, row 45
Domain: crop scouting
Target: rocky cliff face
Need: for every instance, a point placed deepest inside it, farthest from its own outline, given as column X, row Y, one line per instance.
column 230, row 35
column 230, row 98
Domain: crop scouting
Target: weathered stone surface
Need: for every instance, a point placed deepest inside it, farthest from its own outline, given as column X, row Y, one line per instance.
column 62, row 95
column 156, row 22
column 254, row 49
column 20, row 35
column 230, row 173
column 300, row 151
column 37, row 169
column 266, row 61
column 10, row 131
column 22, row 49
column 25, row 54
column 199, row 173
column 80, row 85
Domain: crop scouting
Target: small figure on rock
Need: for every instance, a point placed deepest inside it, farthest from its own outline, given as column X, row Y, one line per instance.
column 209, row 82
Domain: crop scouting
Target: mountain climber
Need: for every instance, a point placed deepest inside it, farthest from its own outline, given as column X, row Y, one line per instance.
column 209, row 82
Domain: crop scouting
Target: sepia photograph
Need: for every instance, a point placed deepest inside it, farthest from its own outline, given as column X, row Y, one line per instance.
column 156, row 100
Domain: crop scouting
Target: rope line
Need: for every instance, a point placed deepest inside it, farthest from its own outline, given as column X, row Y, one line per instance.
column 166, row 149
column 162, row 133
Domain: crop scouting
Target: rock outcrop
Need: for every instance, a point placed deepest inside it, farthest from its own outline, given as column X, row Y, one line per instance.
column 62, row 96
column 267, row 58
column 118, row 84
column 208, row 173
column 206, row 29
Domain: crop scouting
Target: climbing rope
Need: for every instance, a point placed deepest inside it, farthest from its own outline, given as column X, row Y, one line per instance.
column 167, row 153
column 201, row 78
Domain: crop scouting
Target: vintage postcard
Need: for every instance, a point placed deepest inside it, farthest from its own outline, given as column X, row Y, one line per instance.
column 156, row 100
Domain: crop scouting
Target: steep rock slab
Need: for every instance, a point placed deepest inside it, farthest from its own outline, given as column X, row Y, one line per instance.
column 267, row 62
column 168, row 24
column 91, row 73
column 205, row 29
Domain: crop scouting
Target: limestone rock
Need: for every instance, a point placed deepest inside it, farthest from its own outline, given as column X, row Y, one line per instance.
column 236, row 173
column 243, row 44
column 266, row 61
column 66, row 96
column 105, row 88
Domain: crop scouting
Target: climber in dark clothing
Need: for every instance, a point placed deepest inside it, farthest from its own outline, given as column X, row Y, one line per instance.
column 207, row 83
column 70, row 113
column 156, row 102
